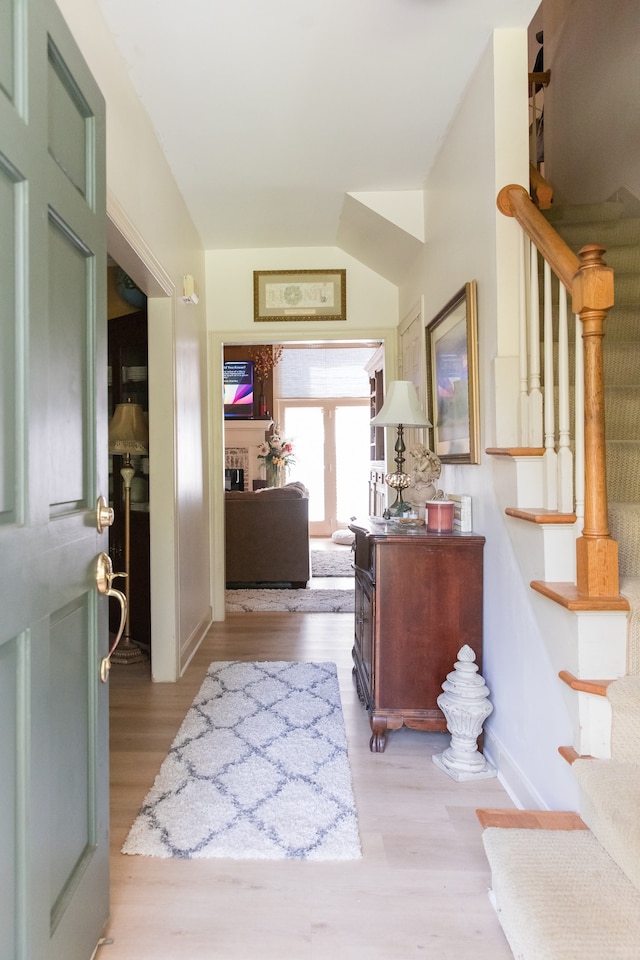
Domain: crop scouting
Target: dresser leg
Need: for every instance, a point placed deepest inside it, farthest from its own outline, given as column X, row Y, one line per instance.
column 379, row 734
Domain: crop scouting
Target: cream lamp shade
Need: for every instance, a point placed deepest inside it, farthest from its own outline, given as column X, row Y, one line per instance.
column 128, row 431
column 401, row 406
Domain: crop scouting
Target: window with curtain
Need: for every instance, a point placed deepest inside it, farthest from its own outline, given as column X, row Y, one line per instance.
column 323, row 407
column 318, row 372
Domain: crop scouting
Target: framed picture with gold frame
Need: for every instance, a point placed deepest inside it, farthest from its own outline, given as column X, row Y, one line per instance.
column 299, row 295
column 452, row 378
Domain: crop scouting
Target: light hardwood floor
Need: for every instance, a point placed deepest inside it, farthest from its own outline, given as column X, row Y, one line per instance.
column 420, row 890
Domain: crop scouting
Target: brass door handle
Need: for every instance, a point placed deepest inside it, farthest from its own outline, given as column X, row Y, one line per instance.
column 104, row 515
column 104, row 578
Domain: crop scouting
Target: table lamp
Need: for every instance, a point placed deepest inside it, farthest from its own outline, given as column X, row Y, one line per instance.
column 401, row 408
column 128, row 434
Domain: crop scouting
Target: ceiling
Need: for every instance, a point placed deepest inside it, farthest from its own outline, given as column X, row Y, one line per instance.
column 271, row 114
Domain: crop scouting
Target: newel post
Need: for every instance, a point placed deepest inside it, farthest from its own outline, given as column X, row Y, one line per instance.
column 596, row 551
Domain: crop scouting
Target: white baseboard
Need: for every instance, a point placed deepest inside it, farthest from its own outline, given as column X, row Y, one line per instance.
column 521, row 792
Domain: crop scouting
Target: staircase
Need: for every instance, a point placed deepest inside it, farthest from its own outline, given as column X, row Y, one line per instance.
column 620, row 235
column 567, row 887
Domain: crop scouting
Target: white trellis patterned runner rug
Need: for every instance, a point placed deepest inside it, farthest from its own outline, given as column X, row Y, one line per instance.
column 258, row 770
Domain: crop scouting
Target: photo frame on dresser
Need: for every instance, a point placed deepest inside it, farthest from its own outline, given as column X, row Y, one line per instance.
column 452, row 378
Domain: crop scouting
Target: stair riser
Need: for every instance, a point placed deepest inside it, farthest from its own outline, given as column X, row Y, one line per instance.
column 585, row 213
column 624, row 524
column 609, row 233
column 621, row 363
column 623, row 259
column 624, row 699
column 623, row 476
column 609, row 807
column 622, row 414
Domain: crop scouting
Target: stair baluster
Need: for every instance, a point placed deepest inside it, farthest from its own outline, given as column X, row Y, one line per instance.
column 590, row 283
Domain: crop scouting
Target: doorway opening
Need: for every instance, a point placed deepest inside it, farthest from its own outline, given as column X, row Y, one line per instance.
column 331, row 443
column 319, row 395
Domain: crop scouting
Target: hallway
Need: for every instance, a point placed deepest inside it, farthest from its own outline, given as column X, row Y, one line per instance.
column 419, row 891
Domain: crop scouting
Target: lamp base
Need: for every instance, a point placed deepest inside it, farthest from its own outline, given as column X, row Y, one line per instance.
column 127, row 652
column 398, row 509
column 398, row 481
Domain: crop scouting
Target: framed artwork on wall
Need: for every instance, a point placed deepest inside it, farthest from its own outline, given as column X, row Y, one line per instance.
column 452, row 378
column 299, row 295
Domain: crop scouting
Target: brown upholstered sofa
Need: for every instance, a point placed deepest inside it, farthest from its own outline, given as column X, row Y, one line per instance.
column 267, row 535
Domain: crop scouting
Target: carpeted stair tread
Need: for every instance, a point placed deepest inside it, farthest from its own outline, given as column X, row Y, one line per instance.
column 624, row 697
column 584, row 212
column 623, row 323
column 610, row 806
column 621, row 406
column 621, row 361
column 623, row 258
column 609, row 233
column 630, row 588
column 624, row 525
column 623, row 476
column 560, row 896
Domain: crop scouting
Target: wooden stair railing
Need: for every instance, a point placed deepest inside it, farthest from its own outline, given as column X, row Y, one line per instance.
column 541, row 190
column 590, row 284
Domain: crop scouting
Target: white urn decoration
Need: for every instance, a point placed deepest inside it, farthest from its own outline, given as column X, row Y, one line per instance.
column 465, row 704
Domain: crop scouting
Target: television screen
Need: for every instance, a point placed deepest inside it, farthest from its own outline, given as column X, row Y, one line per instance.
column 238, row 388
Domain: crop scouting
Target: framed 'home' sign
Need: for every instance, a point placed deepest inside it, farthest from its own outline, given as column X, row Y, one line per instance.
column 299, row 295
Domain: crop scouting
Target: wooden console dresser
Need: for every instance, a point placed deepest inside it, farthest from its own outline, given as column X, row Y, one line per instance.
column 418, row 600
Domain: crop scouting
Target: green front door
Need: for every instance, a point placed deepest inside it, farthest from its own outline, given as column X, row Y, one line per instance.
column 53, row 707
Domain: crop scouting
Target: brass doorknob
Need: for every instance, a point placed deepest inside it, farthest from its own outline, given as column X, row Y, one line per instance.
column 104, row 514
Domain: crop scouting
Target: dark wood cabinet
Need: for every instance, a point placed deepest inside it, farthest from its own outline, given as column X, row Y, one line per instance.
column 127, row 379
column 418, row 600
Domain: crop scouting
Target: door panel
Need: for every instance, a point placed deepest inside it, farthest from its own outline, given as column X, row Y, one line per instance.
column 68, row 350
column 68, row 111
column 72, row 822
column 331, row 446
column 8, row 191
column 53, row 708
column 11, row 798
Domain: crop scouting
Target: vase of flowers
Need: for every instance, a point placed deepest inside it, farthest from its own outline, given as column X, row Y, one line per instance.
column 276, row 455
column 264, row 360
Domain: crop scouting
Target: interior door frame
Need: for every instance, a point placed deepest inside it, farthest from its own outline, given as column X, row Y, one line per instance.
column 387, row 336
column 127, row 248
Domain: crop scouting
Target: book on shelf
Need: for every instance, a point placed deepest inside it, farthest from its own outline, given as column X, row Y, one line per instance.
column 461, row 512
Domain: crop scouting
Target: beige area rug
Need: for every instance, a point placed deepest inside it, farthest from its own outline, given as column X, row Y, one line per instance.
column 290, row 601
column 332, row 563
column 282, row 599
column 258, row 770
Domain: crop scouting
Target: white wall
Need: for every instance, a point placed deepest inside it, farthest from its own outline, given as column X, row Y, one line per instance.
column 157, row 244
column 467, row 239
column 372, row 302
column 592, row 129
column 372, row 312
